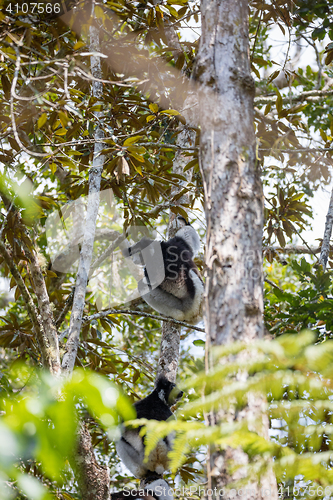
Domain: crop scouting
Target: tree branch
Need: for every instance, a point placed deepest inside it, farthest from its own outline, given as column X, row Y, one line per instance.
column 309, row 96
column 325, row 247
column 93, row 479
column 106, row 253
column 274, row 285
column 50, row 332
column 292, row 249
column 170, row 341
column 103, row 314
column 67, row 306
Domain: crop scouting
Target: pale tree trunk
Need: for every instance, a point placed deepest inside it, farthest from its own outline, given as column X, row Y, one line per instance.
column 170, row 340
column 93, row 479
column 95, row 175
column 325, row 247
column 234, row 211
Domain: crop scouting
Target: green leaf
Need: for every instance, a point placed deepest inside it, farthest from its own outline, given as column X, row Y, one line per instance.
column 280, row 237
column 5, row 85
column 32, row 488
column 132, row 140
column 278, row 102
column 64, row 120
column 274, row 75
column 79, row 45
column 323, row 135
column 137, row 152
column 153, row 107
column 41, row 120
column 199, row 342
column 267, row 109
column 172, row 112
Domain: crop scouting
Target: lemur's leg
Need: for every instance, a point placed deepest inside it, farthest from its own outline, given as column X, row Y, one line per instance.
column 165, row 303
column 132, row 456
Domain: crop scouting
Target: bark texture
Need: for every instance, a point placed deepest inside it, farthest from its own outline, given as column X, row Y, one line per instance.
column 325, row 248
column 231, row 177
column 95, row 174
column 234, row 211
column 170, row 341
column 51, row 344
column 93, row 478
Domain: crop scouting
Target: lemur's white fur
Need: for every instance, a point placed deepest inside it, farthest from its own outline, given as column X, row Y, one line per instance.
column 189, row 234
column 159, row 489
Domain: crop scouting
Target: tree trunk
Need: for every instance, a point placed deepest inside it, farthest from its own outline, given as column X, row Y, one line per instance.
column 234, row 211
column 170, row 340
column 93, row 479
column 325, row 248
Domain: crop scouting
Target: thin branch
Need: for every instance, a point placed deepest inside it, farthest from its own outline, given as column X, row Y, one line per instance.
column 325, row 247
column 106, row 253
column 65, row 259
column 303, row 240
column 154, row 145
column 67, row 94
column 103, row 314
column 313, row 45
column 274, row 285
column 292, row 249
column 256, row 36
column 176, row 147
column 87, row 76
column 299, row 150
column 12, row 94
column 66, row 308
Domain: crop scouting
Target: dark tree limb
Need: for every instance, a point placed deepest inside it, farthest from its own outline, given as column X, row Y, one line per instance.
column 66, row 308
column 103, row 314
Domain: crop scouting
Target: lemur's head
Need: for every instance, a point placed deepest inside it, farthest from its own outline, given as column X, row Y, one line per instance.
column 189, row 234
column 167, row 391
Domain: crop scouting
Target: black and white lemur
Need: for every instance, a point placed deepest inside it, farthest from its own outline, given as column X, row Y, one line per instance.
column 172, row 286
column 131, row 446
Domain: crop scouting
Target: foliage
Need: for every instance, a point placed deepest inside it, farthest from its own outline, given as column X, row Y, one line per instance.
column 295, row 377
column 310, row 307
column 39, row 425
